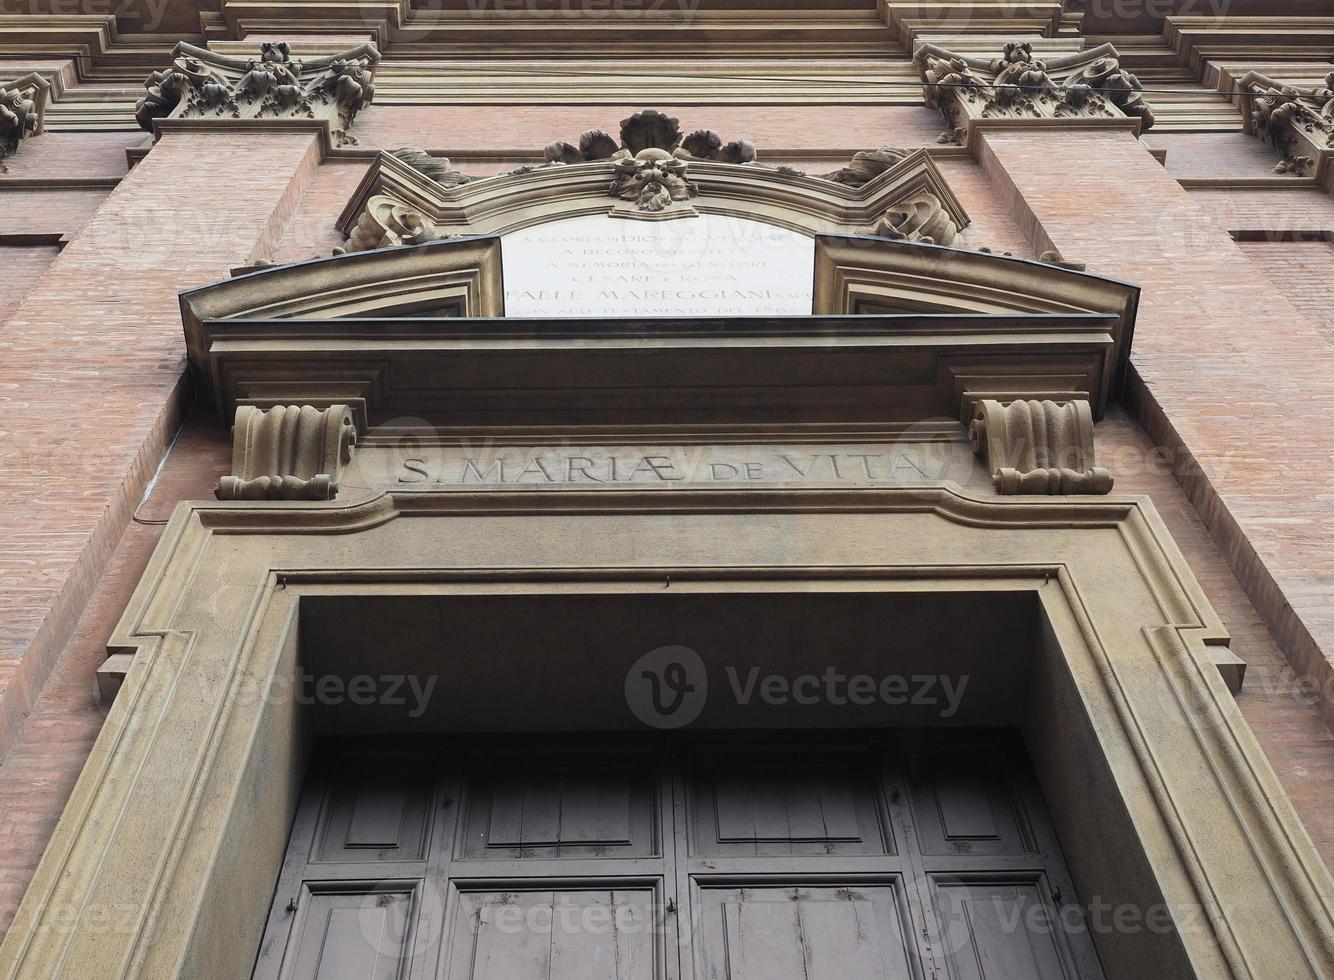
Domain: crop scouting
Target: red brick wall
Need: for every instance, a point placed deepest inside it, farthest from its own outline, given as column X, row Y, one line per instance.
column 90, row 373
column 1303, row 273
column 1227, row 373
column 90, row 364
column 23, row 265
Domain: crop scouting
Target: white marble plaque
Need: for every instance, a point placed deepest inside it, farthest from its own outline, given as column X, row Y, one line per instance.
column 708, row 265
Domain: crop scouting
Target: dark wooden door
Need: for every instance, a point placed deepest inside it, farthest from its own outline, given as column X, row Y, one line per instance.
column 922, row 855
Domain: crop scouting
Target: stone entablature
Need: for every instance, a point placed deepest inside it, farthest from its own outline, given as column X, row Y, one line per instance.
column 1088, row 87
column 22, row 108
column 1297, row 122
column 204, row 86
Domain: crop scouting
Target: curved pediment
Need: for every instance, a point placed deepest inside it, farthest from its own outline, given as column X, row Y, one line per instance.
column 398, row 203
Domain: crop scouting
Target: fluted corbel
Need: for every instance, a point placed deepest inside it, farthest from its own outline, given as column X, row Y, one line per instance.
column 1035, row 446
column 288, row 452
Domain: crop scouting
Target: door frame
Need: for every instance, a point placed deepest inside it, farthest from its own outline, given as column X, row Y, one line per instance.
column 165, row 858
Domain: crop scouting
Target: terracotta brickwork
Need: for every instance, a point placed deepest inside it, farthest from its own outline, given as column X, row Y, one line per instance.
column 1235, row 380
column 1303, row 271
column 91, row 368
column 1224, row 424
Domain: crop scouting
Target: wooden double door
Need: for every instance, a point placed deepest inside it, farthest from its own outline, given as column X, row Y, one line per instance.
column 865, row 856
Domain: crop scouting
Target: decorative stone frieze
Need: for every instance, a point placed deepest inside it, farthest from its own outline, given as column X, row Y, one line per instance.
column 1018, row 86
column 649, row 129
column 288, row 452
column 22, row 108
column 205, row 85
column 1297, row 122
column 1034, row 446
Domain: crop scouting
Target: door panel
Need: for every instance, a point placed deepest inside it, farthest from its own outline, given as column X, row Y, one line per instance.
column 863, row 856
column 999, row 929
column 570, row 934
column 353, row 934
column 964, row 799
column 795, row 933
column 775, row 801
column 583, row 804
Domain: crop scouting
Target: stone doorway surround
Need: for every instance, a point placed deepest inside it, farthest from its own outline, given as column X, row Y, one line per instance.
column 165, row 857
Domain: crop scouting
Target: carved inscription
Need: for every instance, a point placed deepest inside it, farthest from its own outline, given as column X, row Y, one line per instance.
column 918, row 463
column 708, row 265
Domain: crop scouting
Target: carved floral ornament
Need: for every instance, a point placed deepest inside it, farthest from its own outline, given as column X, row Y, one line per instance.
column 1297, row 122
column 652, row 167
column 205, row 85
column 1017, row 85
column 22, row 106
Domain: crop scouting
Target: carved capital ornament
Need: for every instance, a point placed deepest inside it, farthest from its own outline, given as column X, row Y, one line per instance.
column 1018, row 86
column 22, row 107
column 206, row 86
column 1297, row 122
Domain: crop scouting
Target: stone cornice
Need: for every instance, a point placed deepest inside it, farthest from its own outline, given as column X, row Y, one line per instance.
column 1018, row 89
column 203, row 87
column 388, row 332
column 22, row 109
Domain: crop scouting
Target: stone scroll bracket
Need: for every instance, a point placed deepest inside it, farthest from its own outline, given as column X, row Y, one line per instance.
column 288, row 452
column 1034, row 447
column 1086, row 89
column 205, row 89
column 22, row 112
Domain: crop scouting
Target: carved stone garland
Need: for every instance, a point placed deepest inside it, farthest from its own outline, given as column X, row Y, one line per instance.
column 1297, row 122
column 21, row 105
column 202, row 84
column 288, row 452
column 1017, row 85
column 1035, row 446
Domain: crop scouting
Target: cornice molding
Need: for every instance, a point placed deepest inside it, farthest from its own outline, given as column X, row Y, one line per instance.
column 393, row 333
column 22, row 111
column 203, row 86
column 1019, row 90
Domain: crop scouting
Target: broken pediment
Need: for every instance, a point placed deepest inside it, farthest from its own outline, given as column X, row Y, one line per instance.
column 652, row 170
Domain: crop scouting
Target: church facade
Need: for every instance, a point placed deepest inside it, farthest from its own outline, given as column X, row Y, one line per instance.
column 676, row 490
